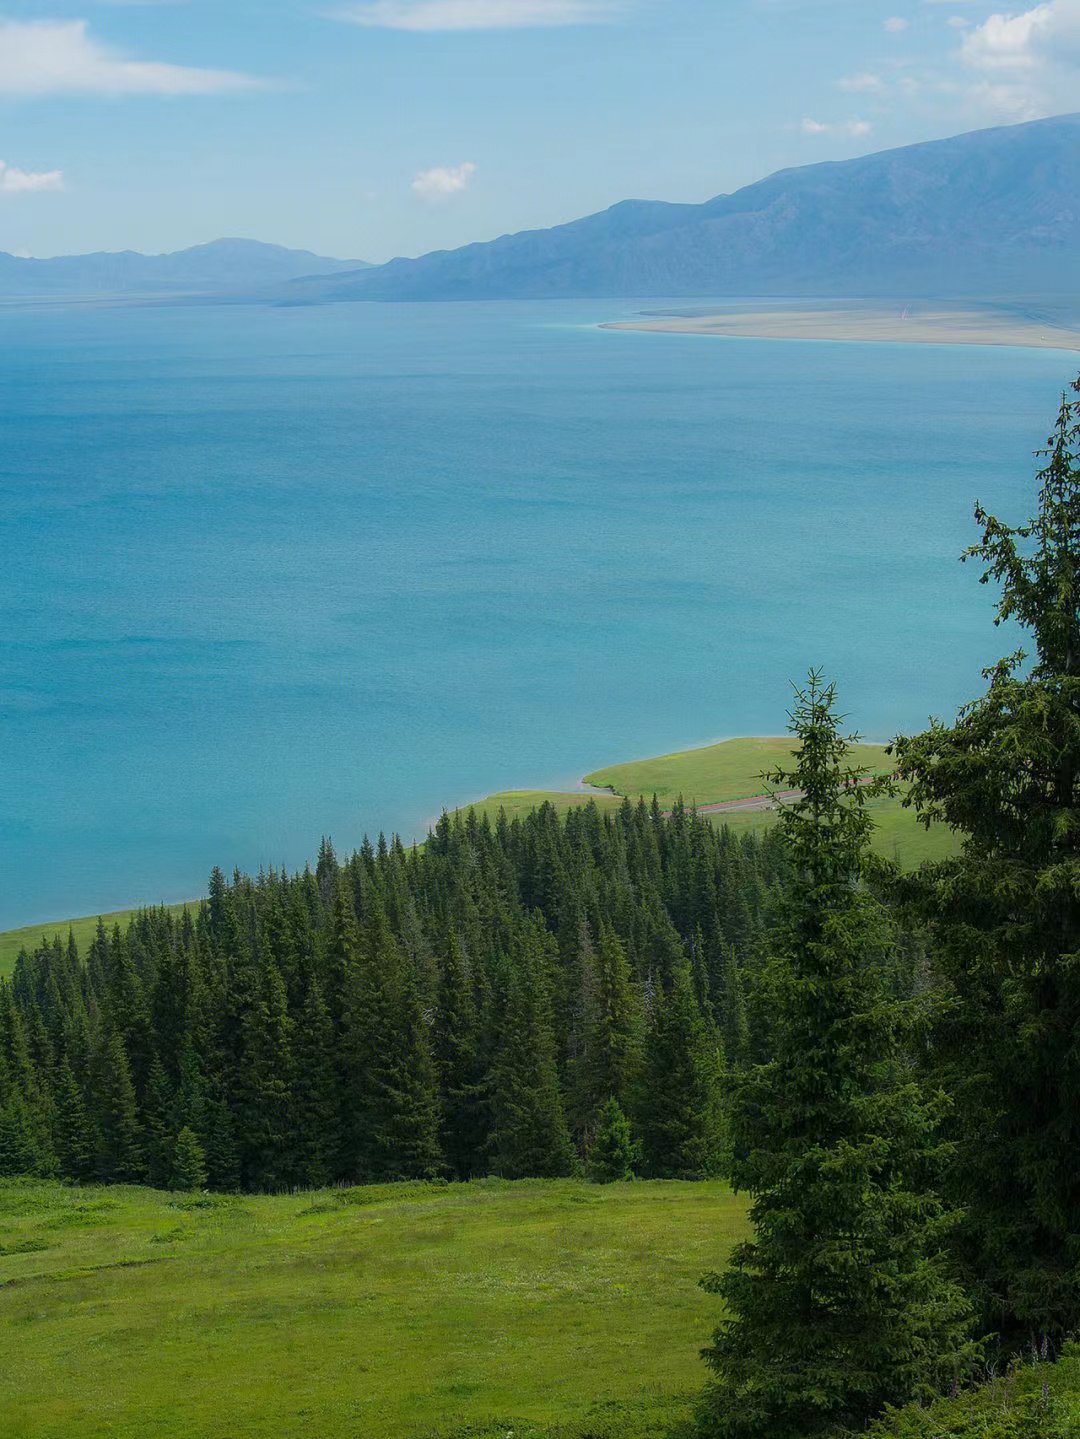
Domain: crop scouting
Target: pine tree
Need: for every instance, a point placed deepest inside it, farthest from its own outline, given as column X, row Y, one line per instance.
column 680, row 1109
column 392, row 1085
column 841, row 1303
column 261, row 1100
column 75, row 1143
column 614, row 1154
column 613, row 1026
column 189, row 1162
column 317, row 1140
column 529, row 1136
column 119, row 1158
column 20, row 1140
column 1005, row 917
column 458, row 1062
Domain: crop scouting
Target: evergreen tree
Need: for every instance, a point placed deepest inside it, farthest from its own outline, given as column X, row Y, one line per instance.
column 189, row 1162
column 1005, row 916
column 393, row 1083
column 529, row 1135
column 614, row 1154
column 841, row 1303
column 315, row 1103
column 457, row 1058
column 613, row 1025
column 680, row 1108
column 262, row 1092
column 119, row 1158
column 20, row 1139
column 75, row 1145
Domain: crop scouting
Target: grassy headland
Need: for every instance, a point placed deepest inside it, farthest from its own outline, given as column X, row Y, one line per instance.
column 390, row 1311
column 732, row 770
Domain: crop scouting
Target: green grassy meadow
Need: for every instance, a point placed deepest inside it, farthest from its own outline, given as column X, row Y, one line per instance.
column 541, row 1308
column 731, row 769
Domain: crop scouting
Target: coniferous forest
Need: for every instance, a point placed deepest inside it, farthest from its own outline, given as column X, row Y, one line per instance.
column 888, row 1065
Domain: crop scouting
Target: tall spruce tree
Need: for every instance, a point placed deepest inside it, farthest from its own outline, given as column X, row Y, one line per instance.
column 530, row 1137
column 842, row 1302
column 392, row 1083
column 458, row 1061
column 1005, row 916
column 680, row 1107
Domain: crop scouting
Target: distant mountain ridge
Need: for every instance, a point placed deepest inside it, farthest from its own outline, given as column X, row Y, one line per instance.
column 222, row 266
column 991, row 213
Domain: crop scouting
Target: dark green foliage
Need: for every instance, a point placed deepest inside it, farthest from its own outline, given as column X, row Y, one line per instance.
column 1005, row 918
column 842, row 1302
column 21, row 1150
column 529, row 1133
column 74, row 1140
column 614, row 1154
column 1033, row 1400
column 119, row 1158
column 447, row 1011
column 189, row 1162
column 680, row 1114
column 457, row 1049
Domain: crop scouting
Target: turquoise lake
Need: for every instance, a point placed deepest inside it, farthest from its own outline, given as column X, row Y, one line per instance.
column 270, row 574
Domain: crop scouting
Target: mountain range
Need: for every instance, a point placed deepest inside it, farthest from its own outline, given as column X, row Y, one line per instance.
column 994, row 215
column 221, row 267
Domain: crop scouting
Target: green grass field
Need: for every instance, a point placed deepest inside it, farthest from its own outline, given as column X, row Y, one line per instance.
column 394, row 1312
column 731, row 769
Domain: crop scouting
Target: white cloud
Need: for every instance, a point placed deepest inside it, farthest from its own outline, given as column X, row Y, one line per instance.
column 476, row 14
column 14, row 181
column 1008, row 42
column 895, row 24
column 854, row 128
column 443, row 181
column 864, row 83
column 56, row 57
column 1028, row 62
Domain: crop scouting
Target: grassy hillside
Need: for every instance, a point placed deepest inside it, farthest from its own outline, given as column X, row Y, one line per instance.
column 13, row 940
column 396, row 1312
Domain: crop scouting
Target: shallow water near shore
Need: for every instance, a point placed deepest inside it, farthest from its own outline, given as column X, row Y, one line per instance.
column 275, row 573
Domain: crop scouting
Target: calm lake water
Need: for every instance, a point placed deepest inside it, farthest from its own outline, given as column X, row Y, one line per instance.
column 273, row 573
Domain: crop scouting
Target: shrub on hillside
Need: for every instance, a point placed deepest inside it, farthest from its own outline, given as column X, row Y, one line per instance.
column 1034, row 1401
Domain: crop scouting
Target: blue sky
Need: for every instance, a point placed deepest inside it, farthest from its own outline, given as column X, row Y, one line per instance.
column 369, row 128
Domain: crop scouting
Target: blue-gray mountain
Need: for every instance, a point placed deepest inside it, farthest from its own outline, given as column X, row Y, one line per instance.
column 223, row 266
column 991, row 214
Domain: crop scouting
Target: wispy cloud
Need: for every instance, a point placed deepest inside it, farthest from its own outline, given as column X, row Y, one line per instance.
column 896, row 24
column 61, row 57
column 855, row 128
column 14, row 181
column 421, row 15
column 864, row 83
column 442, row 181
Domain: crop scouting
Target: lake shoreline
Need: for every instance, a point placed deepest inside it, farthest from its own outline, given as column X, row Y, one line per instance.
column 841, row 324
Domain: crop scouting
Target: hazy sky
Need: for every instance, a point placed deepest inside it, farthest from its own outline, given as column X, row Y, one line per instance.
column 368, row 128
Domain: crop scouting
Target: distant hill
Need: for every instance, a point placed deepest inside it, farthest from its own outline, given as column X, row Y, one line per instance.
column 995, row 213
column 223, row 266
